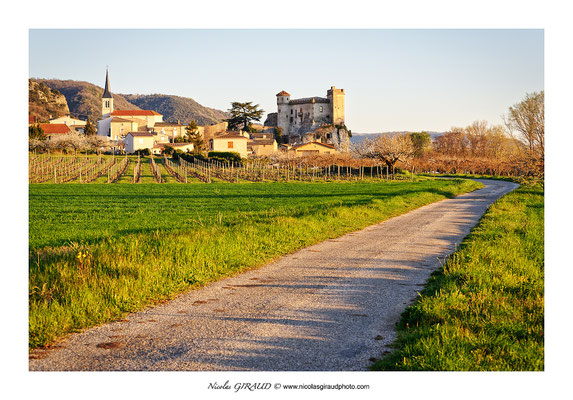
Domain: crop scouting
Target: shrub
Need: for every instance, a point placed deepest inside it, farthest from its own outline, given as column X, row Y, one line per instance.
column 225, row 156
column 142, row 152
column 168, row 150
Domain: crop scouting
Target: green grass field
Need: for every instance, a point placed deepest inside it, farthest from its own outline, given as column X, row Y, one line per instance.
column 484, row 310
column 100, row 251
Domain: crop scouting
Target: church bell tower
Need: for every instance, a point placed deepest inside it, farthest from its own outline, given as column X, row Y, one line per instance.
column 106, row 99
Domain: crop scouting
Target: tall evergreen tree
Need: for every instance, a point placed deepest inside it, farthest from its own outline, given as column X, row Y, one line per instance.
column 195, row 137
column 35, row 132
column 89, row 129
column 242, row 114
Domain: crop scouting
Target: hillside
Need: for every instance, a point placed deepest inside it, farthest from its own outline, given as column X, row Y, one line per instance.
column 84, row 98
column 45, row 103
column 176, row 108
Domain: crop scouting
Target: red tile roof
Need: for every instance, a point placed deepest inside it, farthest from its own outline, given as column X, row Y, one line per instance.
column 120, row 113
column 283, row 93
column 50, row 129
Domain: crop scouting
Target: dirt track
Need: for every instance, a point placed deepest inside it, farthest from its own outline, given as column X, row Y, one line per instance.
column 331, row 306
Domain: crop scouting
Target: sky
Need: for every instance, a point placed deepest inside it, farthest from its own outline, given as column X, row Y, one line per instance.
column 394, row 79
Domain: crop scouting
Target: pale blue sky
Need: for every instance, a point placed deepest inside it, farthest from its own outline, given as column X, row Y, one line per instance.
column 393, row 79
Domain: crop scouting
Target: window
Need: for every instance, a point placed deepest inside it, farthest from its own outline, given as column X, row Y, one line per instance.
column 320, row 109
column 229, row 145
column 140, row 141
column 291, row 111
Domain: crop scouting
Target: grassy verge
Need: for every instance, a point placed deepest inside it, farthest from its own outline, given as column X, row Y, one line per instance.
column 484, row 309
column 100, row 251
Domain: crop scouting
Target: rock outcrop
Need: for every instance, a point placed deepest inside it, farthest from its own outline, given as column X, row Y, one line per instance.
column 45, row 103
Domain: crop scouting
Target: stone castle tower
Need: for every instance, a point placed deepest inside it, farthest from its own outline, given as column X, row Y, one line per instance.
column 300, row 118
column 336, row 98
column 107, row 98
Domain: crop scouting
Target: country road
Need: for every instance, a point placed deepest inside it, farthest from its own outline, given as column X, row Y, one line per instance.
column 328, row 307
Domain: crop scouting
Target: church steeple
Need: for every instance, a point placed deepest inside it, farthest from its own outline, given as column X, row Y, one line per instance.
column 107, row 98
column 106, row 92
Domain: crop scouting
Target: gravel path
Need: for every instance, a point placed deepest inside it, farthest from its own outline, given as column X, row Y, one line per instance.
column 328, row 307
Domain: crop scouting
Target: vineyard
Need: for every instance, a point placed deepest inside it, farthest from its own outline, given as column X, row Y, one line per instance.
column 44, row 168
column 81, row 169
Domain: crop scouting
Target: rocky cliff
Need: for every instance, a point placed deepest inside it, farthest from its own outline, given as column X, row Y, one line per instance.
column 45, row 103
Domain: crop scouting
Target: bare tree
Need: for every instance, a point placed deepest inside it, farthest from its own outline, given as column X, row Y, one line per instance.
column 526, row 123
column 453, row 143
column 388, row 148
column 77, row 142
column 477, row 135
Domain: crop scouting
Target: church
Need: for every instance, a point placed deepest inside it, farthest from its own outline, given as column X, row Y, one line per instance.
column 116, row 124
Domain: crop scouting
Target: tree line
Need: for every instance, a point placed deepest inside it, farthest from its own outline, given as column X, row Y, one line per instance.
column 514, row 148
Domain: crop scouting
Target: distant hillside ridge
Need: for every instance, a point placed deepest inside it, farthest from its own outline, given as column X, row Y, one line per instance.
column 84, row 98
column 84, row 101
column 44, row 102
column 177, row 108
column 358, row 137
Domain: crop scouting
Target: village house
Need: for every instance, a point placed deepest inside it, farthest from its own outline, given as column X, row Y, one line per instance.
column 69, row 121
column 262, row 144
column 231, row 141
column 139, row 141
column 120, row 127
column 153, row 141
column 313, row 148
column 120, row 122
column 52, row 130
column 171, row 130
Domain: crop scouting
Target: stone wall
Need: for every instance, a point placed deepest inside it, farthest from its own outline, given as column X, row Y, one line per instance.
column 208, row 131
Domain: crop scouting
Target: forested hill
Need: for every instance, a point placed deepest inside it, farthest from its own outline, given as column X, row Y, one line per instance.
column 176, row 108
column 84, row 100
